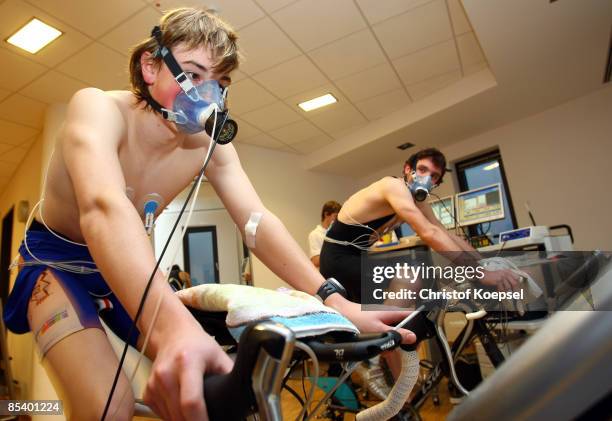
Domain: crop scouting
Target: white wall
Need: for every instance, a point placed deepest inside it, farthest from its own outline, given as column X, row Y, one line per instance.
column 208, row 210
column 291, row 193
column 559, row 160
column 286, row 189
column 26, row 185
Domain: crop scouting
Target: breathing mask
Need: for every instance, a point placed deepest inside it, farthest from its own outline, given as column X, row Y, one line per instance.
column 197, row 107
column 421, row 186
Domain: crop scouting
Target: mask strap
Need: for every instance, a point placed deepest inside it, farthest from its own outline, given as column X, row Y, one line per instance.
column 167, row 114
column 179, row 75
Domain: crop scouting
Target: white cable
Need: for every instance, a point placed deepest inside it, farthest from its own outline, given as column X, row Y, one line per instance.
column 399, row 393
column 314, row 380
column 357, row 242
column 42, row 219
column 67, row 265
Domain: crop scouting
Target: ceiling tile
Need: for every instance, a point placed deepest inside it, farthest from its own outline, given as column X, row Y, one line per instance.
column 296, row 132
column 4, row 93
column 292, row 77
column 28, row 143
column 427, row 63
column 385, row 104
column 14, row 14
column 369, row 83
column 376, row 10
column 414, row 30
column 5, row 148
column 16, row 71
column 237, row 75
column 474, row 67
column 312, row 23
column 98, row 66
column 19, row 109
column 264, row 45
column 337, row 118
column 247, row 95
column 237, row 13
column 14, row 156
column 469, row 49
column 288, row 149
column 132, row 31
column 272, row 5
column 15, row 134
column 312, row 144
column 93, row 18
column 429, row 86
column 53, row 87
column 461, row 24
column 356, row 52
column 265, row 141
column 4, row 181
column 7, row 169
column 245, row 130
column 272, row 116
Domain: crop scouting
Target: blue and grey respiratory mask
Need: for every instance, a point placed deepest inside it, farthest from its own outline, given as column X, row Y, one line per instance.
column 421, row 186
column 199, row 108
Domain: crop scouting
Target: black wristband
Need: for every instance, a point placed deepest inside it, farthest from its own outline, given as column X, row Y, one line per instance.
column 329, row 287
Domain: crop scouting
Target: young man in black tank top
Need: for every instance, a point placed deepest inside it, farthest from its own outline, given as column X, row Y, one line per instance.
column 377, row 208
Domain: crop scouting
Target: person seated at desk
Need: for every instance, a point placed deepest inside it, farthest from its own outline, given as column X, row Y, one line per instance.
column 381, row 206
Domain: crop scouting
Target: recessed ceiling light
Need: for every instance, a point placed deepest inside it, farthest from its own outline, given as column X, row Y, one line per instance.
column 318, row 102
column 405, row 146
column 34, row 36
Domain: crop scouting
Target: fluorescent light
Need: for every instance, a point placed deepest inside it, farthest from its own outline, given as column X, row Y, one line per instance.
column 34, row 36
column 491, row 166
column 318, row 102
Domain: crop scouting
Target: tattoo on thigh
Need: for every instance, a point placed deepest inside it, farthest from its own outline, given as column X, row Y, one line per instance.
column 41, row 290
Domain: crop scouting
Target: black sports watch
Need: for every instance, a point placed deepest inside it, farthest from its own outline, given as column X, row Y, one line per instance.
column 329, row 287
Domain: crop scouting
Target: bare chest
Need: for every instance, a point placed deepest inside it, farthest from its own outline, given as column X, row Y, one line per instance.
column 152, row 182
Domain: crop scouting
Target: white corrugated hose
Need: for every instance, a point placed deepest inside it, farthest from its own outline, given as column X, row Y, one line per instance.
column 399, row 393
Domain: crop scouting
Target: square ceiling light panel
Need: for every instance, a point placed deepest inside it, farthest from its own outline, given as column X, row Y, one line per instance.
column 33, row 36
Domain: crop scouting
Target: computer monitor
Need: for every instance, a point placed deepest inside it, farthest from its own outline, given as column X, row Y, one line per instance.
column 483, row 204
column 444, row 209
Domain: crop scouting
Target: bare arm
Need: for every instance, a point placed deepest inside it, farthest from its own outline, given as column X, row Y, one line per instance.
column 316, row 260
column 275, row 247
column 421, row 218
column 431, row 217
column 434, row 235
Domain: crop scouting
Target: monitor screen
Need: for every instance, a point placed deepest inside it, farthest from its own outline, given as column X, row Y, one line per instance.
column 444, row 209
column 483, row 204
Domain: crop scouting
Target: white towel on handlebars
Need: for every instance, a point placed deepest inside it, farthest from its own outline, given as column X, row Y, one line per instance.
column 301, row 312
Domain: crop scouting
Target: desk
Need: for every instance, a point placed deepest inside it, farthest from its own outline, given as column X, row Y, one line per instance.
column 413, row 242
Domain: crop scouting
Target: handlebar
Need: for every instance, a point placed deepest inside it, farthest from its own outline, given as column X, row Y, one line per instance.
column 264, row 350
column 361, row 347
column 264, row 354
